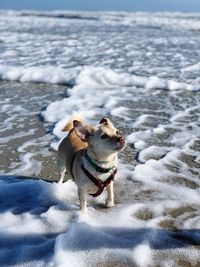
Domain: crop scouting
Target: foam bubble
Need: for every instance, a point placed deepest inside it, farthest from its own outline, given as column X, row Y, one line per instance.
column 153, row 152
column 142, row 255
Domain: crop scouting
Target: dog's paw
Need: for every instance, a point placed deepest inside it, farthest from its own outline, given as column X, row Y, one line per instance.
column 84, row 210
column 109, row 203
column 60, row 181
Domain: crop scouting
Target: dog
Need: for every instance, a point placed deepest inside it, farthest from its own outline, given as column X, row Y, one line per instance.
column 88, row 155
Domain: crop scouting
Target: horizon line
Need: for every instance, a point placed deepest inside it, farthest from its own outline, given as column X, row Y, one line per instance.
column 95, row 11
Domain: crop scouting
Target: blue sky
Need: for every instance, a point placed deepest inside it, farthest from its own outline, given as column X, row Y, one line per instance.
column 126, row 5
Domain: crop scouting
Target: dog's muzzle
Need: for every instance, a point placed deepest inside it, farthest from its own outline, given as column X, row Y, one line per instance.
column 121, row 142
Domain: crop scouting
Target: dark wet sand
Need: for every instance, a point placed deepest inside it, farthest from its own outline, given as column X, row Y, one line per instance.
column 33, row 98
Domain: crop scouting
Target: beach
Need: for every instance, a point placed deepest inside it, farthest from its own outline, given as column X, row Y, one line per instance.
column 142, row 71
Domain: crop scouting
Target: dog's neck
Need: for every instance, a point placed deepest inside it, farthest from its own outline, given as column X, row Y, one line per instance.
column 102, row 160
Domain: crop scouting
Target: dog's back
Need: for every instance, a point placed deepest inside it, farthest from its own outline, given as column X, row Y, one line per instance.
column 69, row 147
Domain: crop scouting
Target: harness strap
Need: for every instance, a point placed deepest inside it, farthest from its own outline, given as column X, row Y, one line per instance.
column 100, row 184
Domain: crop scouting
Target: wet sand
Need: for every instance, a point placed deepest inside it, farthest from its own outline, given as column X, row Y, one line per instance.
column 26, row 132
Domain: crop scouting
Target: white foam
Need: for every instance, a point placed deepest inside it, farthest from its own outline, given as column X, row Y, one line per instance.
column 156, row 83
column 28, row 165
column 21, row 134
column 90, row 76
column 142, row 255
column 140, row 136
column 173, row 85
column 153, row 152
column 117, row 235
column 192, row 68
column 154, row 173
column 86, row 97
column 120, row 112
column 159, row 130
column 177, row 21
column 39, row 74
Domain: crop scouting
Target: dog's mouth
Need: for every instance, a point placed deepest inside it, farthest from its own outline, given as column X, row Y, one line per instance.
column 121, row 144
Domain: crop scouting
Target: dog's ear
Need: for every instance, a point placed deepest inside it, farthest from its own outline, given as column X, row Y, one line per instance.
column 104, row 120
column 77, row 123
column 83, row 132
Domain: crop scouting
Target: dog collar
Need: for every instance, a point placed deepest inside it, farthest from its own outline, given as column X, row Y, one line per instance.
column 98, row 168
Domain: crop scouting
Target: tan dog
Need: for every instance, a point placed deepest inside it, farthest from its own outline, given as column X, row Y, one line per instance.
column 88, row 155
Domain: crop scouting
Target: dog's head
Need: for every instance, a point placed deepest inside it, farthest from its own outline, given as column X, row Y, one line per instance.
column 105, row 139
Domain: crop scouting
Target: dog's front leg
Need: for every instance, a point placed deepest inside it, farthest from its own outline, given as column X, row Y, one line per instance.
column 110, row 198
column 82, row 193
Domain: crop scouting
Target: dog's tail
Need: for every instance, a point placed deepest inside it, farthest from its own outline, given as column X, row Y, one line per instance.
column 69, row 124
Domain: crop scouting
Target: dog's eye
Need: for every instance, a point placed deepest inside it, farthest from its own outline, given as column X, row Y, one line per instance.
column 117, row 132
column 104, row 136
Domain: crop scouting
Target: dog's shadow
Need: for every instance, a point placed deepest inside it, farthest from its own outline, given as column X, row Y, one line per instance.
column 22, row 202
column 28, row 210
column 19, row 194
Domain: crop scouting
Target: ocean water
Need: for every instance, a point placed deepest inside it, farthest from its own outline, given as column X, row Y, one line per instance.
column 142, row 70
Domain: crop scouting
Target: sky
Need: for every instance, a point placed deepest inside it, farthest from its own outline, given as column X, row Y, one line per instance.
column 95, row 5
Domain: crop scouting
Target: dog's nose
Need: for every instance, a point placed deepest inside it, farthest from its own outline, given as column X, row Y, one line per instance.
column 121, row 140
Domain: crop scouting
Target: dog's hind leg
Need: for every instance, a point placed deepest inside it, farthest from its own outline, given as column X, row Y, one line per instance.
column 61, row 170
column 83, row 199
column 62, row 176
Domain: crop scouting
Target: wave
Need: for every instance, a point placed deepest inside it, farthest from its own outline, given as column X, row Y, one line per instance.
column 53, row 75
column 91, row 77
column 175, row 20
column 53, row 14
column 70, row 15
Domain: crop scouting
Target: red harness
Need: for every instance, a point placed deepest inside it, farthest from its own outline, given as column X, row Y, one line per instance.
column 100, row 184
